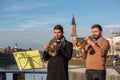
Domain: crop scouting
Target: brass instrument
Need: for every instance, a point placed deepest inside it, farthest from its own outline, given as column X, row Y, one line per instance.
column 52, row 50
column 81, row 44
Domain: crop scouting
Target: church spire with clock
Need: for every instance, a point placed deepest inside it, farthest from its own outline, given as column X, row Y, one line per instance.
column 73, row 32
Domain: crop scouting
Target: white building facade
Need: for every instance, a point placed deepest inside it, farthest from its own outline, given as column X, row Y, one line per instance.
column 114, row 45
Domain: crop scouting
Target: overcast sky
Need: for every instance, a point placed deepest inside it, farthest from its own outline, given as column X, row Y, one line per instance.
column 30, row 22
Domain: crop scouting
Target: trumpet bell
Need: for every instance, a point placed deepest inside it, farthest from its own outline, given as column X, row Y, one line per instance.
column 80, row 44
column 53, row 53
column 52, row 50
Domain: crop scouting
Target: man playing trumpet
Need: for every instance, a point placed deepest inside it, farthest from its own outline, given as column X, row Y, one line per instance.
column 95, row 53
column 58, row 52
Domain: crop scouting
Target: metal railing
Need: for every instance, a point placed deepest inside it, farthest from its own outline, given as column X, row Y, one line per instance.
column 24, row 71
column 115, row 65
column 20, row 74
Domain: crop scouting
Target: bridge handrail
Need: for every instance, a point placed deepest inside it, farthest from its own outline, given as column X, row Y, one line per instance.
column 115, row 66
column 25, row 71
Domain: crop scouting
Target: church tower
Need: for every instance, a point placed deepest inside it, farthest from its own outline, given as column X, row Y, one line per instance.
column 73, row 32
column 16, row 47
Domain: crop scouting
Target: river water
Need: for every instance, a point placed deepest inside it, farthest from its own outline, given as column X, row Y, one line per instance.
column 28, row 76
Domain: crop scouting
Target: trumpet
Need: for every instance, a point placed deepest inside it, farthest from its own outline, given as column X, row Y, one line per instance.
column 52, row 50
column 83, row 43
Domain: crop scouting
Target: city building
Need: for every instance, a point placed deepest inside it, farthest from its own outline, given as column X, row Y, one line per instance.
column 114, row 40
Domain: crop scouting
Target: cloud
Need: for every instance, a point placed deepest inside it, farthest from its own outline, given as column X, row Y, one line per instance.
column 37, row 39
column 112, row 26
column 13, row 15
column 26, row 6
column 40, row 23
column 22, row 22
column 25, row 39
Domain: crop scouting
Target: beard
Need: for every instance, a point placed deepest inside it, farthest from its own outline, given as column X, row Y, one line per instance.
column 59, row 37
column 96, row 37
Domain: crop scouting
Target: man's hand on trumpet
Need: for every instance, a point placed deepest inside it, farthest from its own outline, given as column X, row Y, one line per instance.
column 46, row 47
column 89, row 41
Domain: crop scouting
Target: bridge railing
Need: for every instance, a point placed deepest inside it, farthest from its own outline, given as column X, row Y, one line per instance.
column 20, row 74
column 116, row 64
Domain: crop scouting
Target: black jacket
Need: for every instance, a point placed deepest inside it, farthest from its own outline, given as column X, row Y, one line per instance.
column 58, row 65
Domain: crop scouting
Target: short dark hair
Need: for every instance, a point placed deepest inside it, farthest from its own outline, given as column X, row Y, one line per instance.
column 59, row 27
column 97, row 26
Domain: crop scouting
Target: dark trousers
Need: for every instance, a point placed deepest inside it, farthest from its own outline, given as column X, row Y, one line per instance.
column 2, row 76
column 92, row 74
